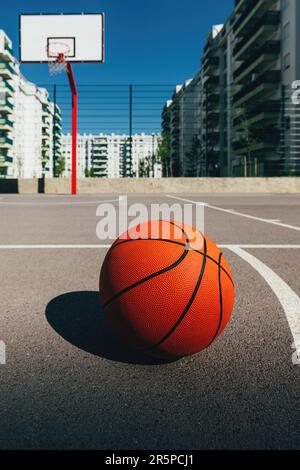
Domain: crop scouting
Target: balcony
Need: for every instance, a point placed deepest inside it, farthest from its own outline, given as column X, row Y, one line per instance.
column 268, row 79
column 6, row 88
column 6, row 124
column 100, row 165
column 262, row 111
column 99, row 157
column 6, row 71
column 269, row 23
column 100, row 148
column 268, row 52
column 5, row 142
column 7, row 54
column 209, row 52
column 268, row 106
column 6, row 107
column 245, row 8
column 210, row 62
column 266, row 138
column 5, row 160
column 212, row 80
column 45, row 111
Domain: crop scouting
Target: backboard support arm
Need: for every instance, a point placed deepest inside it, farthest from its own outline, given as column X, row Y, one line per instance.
column 73, row 87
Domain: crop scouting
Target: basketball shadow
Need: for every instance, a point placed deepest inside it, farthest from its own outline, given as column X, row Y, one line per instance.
column 78, row 317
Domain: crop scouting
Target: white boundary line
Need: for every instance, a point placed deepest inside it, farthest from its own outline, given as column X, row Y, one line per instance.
column 233, row 212
column 107, row 246
column 270, row 247
column 288, row 299
column 52, row 247
column 58, row 203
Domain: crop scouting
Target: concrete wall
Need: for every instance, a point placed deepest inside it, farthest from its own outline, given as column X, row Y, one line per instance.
column 23, row 186
column 164, row 185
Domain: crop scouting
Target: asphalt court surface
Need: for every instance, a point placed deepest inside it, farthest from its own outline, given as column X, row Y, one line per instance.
column 68, row 381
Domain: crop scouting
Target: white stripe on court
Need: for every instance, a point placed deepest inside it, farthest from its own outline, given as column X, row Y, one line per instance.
column 58, row 203
column 52, row 247
column 288, row 299
column 107, row 246
column 233, row 212
column 270, row 247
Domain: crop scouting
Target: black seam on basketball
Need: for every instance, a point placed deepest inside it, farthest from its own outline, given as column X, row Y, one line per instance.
column 151, row 276
column 221, row 304
column 176, row 243
column 187, row 241
column 184, row 313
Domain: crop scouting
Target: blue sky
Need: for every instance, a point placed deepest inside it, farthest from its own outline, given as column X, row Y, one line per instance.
column 147, row 41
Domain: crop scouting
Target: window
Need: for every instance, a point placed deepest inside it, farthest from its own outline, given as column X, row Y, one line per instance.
column 287, row 61
column 286, row 31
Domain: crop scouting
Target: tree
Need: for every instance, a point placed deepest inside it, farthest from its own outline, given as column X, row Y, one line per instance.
column 247, row 134
column 89, row 173
column 142, row 169
column 164, row 154
column 60, row 166
column 192, row 158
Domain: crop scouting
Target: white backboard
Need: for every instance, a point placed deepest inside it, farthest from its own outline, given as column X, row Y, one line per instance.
column 79, row 36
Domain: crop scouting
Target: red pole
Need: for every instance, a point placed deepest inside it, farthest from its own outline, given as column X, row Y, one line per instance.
column 74, row 127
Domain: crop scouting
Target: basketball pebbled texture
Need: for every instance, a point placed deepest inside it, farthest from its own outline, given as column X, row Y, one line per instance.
column 167, row 289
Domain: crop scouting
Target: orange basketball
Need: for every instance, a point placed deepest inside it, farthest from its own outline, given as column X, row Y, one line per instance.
column 167, row 289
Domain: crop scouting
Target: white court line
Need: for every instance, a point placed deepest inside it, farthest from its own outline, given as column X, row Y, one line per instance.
column 66, row 203
column 289, row 300
column 52, row 247
column 271, row 247
column 107, row 246
column 240, row 214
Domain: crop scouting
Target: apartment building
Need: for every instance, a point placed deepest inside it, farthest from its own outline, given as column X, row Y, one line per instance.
column 84, row 145
column 244, row 120
column 30, row 124
column 7, row 91
column 138, row 155
column 108, row 155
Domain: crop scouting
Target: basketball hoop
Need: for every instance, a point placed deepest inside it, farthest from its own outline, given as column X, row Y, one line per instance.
column 58, row 51
column 59, row 41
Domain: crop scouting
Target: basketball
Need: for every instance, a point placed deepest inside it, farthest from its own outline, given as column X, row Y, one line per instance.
column 167, row 289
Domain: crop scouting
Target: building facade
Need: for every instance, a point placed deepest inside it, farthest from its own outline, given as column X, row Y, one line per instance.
column 30, row 124
column 84, row 146
column 244, row 121
column 108, row 155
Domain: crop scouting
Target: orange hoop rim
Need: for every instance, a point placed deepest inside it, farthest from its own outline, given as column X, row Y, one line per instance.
column 61, row 56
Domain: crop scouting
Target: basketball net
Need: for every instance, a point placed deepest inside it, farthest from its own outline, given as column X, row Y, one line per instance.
column 58, row 66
